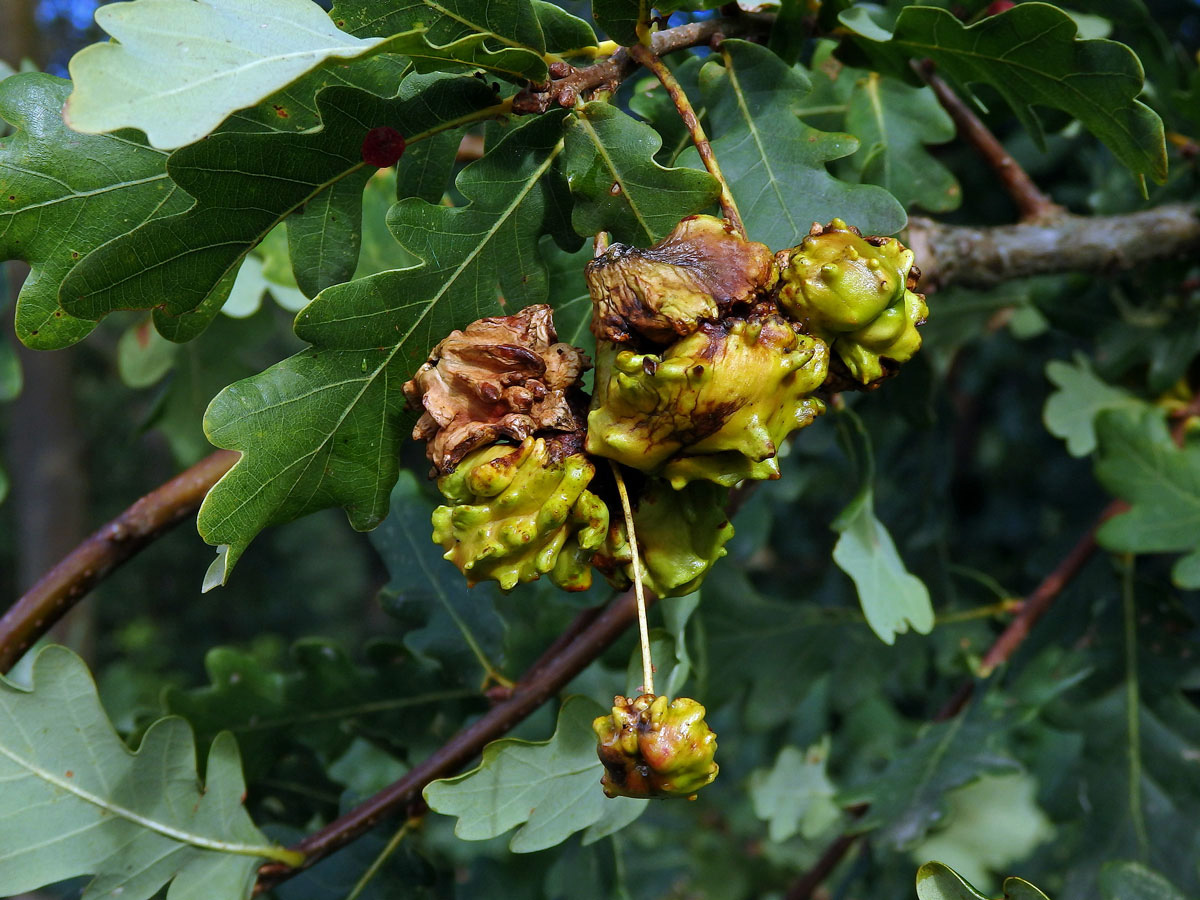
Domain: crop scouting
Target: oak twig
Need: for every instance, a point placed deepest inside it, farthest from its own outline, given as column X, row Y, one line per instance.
column 1033, row 205
column 567, row 84
column 541, row 682
column 1033, row 608
column 981, row 257
column 83, row 568
column 1035, row 605
column 803, row 888
column 683, row 106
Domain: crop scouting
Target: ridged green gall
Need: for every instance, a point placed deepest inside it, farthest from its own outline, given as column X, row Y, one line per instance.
column 716, row 405
column 681, row 534
column 655, row 748
column 517, row 513
column 857, row 294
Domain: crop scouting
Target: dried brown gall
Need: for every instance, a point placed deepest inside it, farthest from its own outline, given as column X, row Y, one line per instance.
column 501, row 377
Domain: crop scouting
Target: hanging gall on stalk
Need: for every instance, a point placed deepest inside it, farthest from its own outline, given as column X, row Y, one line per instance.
column 655, row 748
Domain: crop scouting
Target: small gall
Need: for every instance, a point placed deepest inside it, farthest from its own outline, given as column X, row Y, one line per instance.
column 382, row 147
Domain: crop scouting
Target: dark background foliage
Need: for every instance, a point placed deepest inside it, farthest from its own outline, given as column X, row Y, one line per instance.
column 1083, row 752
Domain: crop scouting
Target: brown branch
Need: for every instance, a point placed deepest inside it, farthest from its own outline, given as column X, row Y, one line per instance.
column 1034, row 606
column 568, row 84
column 804, row 887
column 691, row 122
column 1034, row 206
column 544, row 679
column 981, row 257
column 113, row 544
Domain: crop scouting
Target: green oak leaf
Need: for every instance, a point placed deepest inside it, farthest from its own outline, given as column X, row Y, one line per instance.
column 1125, row 880
column 550, row 788
column 621, row 19
column 616, row 183
column 990, row 824
column 244, row 184
column 775, row 163
column 570, row 297
column 455, row 626
column 380, row 252
column 176, row 69
column 894, row 121
column 907, row 798
column 76, row 801
column 425, row 169
column 937, row 881
column 564, row 32
column 319, row 698
column 324, row 236
column 294, row 109
column 64, row 194
column 324, row 427
column 1070, row 412
column 1137, row 461
column 1032, row 56
column 651, row 103
column 503, row 37
column 795, row 796
column 892, row 598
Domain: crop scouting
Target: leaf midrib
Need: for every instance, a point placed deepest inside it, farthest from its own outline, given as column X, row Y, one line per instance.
column 176, row 834
column 602, row 151
column 369, row 379
column 1027, row 71
column 752, row 128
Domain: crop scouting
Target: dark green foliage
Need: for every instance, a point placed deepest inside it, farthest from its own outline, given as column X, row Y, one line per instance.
column 1029, row 408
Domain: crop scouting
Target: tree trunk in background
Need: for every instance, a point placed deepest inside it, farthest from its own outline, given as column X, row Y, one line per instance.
column 18, row 32
column 44, row 450
column 44, row 459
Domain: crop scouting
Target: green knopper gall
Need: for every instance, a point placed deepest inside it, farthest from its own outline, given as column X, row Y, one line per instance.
column 715, row 405
column 500, row 377
column 681, row 534
column 655, row 748
column 857, row 294
column 517, row 513
column 695, row 273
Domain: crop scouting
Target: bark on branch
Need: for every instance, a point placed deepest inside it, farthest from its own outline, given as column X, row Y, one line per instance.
column 568, row 84
column 545, row 678
column 106, row 549
column 982, row 257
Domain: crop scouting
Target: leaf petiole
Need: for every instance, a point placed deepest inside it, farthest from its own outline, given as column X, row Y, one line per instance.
column 643, row 626
column 691, row 121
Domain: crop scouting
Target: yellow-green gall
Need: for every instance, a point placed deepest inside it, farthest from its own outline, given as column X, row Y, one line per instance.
column 715, row 405
column 681, row 534
column 655, row 748
column 517, row 513
column 857, row 294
